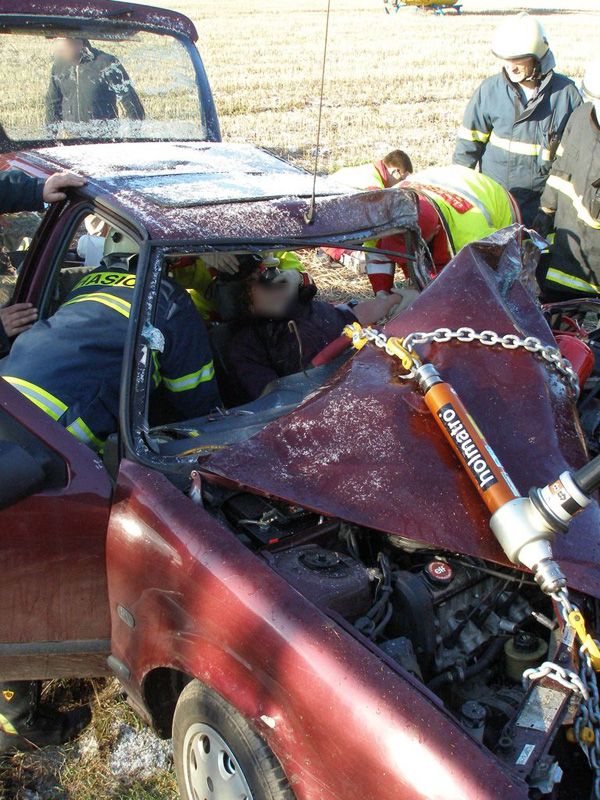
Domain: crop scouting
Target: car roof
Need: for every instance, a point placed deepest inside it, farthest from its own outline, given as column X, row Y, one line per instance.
column 77, row 14
column 209, row 191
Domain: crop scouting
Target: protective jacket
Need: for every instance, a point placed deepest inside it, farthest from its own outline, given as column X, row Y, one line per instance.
column 263, row 350
column 70, row 364
column 514, row 140
column 91, row 89
column 573, row 194
column 365, row 176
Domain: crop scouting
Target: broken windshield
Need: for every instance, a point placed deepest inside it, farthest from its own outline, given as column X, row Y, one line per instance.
column 123, row 86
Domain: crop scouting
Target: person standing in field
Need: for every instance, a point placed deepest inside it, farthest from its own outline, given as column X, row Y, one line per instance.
column 514, row 122
column 87, row 85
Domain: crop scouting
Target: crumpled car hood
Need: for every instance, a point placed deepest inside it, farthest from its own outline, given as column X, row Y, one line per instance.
column 364, row 448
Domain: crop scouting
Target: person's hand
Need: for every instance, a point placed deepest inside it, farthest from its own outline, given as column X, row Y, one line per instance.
column 222, row 262
column 18, row 318
column 55, row 186
column 543, row 222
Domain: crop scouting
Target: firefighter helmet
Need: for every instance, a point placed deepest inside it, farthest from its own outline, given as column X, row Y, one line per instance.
column 591, row 81
column 521, row 36
column 119, row 243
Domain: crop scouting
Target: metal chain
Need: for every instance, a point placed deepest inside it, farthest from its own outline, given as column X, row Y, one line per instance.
column 509, row 341
column 588, row 714
column 566, row 677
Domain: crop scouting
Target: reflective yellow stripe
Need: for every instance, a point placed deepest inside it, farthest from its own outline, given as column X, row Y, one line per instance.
column 560, row 151
column 187, row 382
column 81, row 431
column 521, row 148
column 7, row 726
column 156, row 376
column 123, row 279
column 566, row 187
column 54, row 407
column 570, row 281
column 546, row 155
column 473, row 135
column 122, row 306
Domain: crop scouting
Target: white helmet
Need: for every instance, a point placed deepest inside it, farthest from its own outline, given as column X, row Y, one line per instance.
column 118, row 243
column 521, row 36
column 591, row 81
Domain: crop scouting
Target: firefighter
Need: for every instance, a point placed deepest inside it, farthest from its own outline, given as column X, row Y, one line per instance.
column 514, row 122
column 383, row 174
column 570, row 204
column 76, row 379
column 456, row 206
column 86, row 84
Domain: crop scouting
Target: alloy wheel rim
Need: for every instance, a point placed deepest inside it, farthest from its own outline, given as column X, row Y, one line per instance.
column 211, row 770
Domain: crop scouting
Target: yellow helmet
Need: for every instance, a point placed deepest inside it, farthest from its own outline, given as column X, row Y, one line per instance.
column 521, row 36
column 591, row 81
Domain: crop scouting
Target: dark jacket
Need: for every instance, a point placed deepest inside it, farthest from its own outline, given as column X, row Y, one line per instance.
column 515, row 142
column 18, row 192
column 573, row 194
column 263, row 350
column 90, row 90
column 70, row 364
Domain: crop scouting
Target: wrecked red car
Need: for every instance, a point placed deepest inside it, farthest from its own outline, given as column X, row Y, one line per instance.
column 303, row 591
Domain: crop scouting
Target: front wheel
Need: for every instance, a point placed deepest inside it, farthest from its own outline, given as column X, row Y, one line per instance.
column 218, row 756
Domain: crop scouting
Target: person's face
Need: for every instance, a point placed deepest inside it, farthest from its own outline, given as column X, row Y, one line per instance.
column 68, row 50
column 519, row 69
column 268, row 299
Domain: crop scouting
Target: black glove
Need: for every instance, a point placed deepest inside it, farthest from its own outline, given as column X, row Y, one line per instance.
column 543, row 223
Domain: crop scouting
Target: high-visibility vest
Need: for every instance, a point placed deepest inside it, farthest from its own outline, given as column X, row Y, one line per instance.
column 364, row 177
column 471, row 205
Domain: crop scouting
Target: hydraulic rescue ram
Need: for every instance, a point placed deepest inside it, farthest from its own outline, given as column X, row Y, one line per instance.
column 524, row 526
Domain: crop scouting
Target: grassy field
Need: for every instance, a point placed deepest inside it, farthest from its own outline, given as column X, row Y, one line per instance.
column 392, row 81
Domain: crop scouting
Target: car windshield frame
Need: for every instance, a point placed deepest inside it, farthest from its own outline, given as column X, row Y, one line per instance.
column 103, row 31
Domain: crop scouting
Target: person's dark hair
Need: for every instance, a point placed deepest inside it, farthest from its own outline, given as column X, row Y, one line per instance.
column 398, row 159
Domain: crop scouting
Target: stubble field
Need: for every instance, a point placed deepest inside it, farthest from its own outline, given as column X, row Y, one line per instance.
column 391, row 81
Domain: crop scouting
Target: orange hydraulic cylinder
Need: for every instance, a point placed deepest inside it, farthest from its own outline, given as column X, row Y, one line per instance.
column 479, row 460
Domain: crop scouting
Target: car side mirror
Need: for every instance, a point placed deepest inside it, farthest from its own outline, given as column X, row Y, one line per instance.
column 21, row 474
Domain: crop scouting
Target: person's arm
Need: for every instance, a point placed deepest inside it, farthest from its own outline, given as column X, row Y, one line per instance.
column 54, row 100
column 474, row 133
column 20, row 192
column 544, row 220
column 121, row 84
column 186, row 366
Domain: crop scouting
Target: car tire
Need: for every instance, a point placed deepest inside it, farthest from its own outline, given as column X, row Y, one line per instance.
column 218, row 755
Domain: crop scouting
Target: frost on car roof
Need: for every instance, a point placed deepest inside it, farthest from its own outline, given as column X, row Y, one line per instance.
column 180, row 174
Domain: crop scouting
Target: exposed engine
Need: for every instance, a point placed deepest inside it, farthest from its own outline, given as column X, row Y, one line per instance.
column 465, row 628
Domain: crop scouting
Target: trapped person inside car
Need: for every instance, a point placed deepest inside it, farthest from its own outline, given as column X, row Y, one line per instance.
column 87, row 84
column 280, row 327
column 69, row 365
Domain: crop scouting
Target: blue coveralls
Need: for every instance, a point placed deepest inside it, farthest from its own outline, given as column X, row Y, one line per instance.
column 70, row 364
column 513, row 141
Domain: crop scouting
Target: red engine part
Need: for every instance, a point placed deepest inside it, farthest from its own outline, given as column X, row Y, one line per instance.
column 578, row 353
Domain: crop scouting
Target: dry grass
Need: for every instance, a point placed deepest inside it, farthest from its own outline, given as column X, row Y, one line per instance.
column 398, row 81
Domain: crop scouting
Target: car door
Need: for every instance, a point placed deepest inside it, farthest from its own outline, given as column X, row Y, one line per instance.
column 53, row 596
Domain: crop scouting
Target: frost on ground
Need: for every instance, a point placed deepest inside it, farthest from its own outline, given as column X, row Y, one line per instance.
column 115, row 758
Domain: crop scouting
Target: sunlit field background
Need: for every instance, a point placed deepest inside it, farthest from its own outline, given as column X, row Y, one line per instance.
column 391, row 81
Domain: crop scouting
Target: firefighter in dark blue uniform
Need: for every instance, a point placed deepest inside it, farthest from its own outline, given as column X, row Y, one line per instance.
column 514, row 122
column 70, row 364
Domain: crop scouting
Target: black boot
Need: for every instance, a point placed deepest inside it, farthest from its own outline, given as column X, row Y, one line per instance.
column 25, row 725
